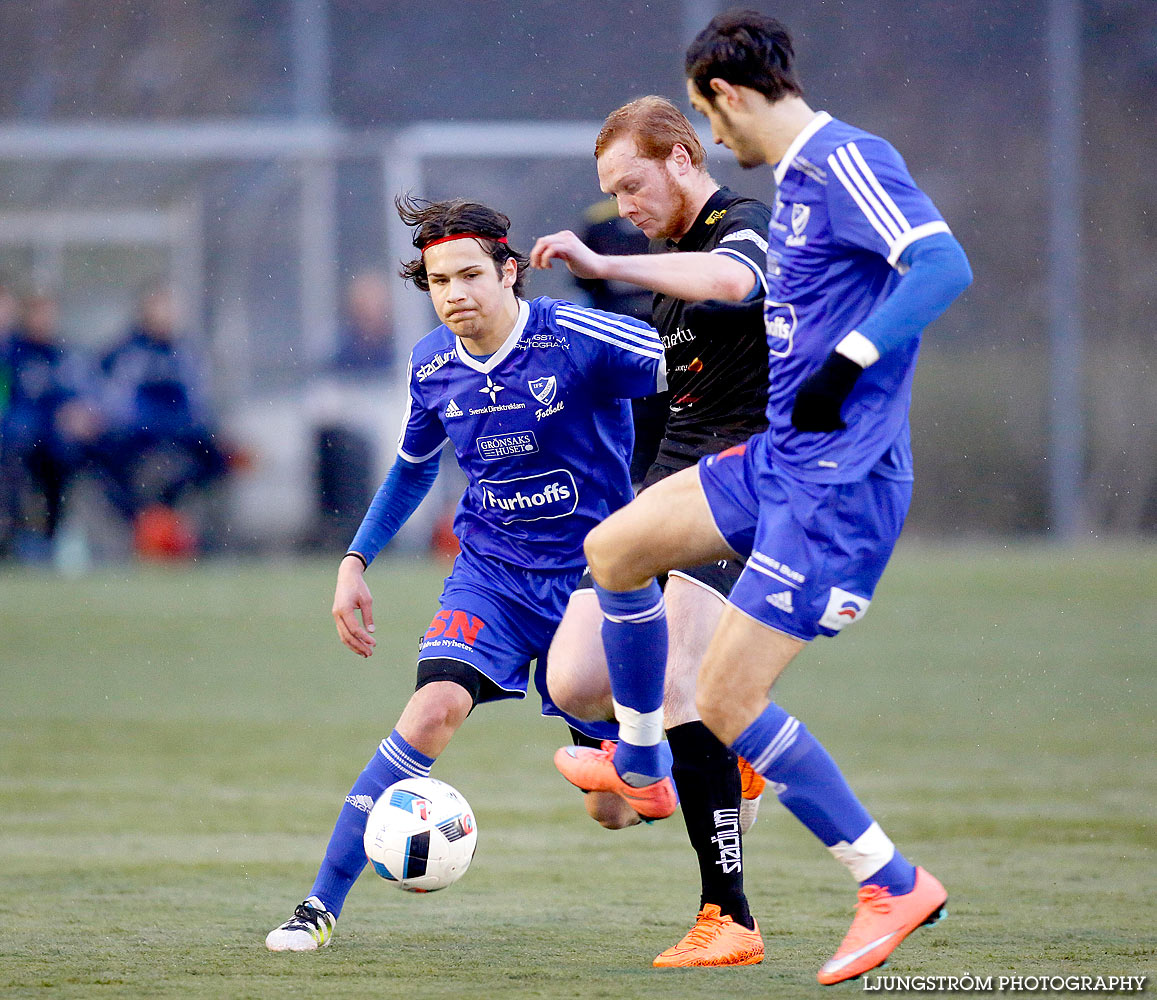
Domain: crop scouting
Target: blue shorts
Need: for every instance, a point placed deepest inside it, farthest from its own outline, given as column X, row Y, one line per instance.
column 815, row 551
column 497, row 618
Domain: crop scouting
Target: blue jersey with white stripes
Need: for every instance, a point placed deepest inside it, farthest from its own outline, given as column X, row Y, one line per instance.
column 846, row 208
column 542, row 428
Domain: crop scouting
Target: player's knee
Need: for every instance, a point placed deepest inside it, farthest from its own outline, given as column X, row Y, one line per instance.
column 598, row 554
column 573, row 696
column 606, row 556
column 717, row 713
column 439, row 705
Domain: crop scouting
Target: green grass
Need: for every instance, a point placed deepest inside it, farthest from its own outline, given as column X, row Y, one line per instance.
column 174, row 745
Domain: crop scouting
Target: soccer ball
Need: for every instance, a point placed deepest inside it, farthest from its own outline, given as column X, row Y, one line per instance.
column 421, row 835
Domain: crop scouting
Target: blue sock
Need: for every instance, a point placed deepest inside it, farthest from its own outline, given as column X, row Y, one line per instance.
column 635, row 638
column 812, row 788
column 345, row 857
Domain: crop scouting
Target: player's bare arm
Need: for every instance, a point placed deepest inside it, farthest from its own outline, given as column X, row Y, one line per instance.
column 692, row 277
column 352, row 596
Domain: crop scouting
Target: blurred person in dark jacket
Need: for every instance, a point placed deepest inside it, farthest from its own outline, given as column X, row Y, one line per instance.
column 365, row 343
column 159, row 441
column 348, row 443
column 48, row 426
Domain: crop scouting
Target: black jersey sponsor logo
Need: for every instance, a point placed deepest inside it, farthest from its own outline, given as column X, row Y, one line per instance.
column 715, row 216
column 681, row 336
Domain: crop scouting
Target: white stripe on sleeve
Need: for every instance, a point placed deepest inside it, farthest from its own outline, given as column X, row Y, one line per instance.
column 885, row 235
column 654, row 353
column 859, row 188
column 877, row 187
column 611, row 324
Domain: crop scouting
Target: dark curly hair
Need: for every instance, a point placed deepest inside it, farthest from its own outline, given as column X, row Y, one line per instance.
column 431, row 220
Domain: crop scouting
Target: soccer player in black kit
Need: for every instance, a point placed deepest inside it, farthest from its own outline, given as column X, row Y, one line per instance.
column 706, row 268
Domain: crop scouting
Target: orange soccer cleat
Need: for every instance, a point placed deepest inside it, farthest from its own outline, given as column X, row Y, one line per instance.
column 714, row 940
column 882, row 921
column 752, row 784
column 594, row 771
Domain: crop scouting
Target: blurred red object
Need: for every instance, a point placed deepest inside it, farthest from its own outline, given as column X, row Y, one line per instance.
column 160, row 533
column 443, row 542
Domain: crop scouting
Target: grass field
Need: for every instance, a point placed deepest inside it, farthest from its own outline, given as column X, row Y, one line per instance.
column 174, row 745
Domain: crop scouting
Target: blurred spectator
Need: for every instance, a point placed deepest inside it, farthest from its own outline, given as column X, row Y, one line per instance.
column 348, row 451
column 9, row 310
column 159, row 442
column 366, row 335
column 48, row 426
column 607, row 233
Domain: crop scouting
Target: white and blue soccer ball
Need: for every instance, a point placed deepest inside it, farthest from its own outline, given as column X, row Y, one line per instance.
column 421, row 835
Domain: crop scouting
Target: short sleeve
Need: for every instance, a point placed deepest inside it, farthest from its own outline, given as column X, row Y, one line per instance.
column 423, row 434
column 623, row 356
column 745, row 238
column 874, row 204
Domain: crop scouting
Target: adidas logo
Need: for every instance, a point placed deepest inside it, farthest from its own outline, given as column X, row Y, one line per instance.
column 363, row 802
column 453, row 409
column 782, row 600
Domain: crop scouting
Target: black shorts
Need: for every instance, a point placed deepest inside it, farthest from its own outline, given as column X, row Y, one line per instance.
column 719, row 576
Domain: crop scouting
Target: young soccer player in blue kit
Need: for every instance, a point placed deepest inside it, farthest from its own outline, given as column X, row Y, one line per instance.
column 859, row 262
column 534, row 399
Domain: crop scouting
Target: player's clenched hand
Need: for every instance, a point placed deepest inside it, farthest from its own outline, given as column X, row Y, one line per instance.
column 582, row 261
column 823, row 393
column 351, row 597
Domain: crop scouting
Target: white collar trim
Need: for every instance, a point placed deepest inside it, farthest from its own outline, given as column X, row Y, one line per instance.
column 503, row 352
column 811, row 128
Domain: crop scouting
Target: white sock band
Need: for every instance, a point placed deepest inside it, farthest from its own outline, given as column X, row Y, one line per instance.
column 642, row 729
column 870, row 852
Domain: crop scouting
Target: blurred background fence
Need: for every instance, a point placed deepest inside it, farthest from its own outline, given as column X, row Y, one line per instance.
column 248, row 152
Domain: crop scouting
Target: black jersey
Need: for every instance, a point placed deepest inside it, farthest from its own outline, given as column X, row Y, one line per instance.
column 718, row 384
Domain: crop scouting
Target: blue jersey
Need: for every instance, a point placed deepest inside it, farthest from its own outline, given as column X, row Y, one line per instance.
column 846, row 208
column 542, row 428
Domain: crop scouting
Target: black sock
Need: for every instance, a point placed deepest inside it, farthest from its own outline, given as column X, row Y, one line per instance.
column 707, row 779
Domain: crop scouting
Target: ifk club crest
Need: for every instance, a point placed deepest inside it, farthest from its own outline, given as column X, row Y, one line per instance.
column 544, row 389
column 800, row 213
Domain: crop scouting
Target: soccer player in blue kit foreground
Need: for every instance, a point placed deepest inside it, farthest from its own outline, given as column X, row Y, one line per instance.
column 534, row 398
column 859, row 261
